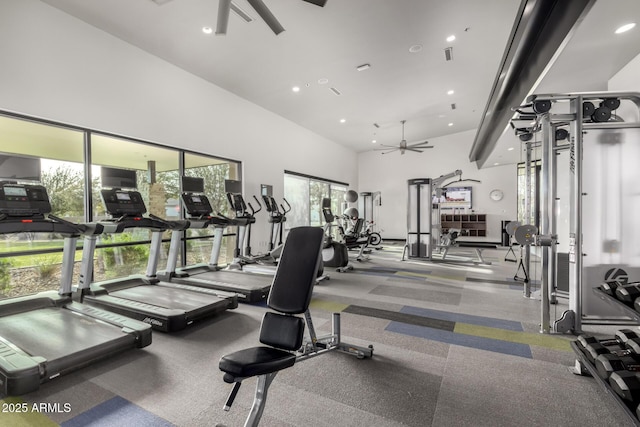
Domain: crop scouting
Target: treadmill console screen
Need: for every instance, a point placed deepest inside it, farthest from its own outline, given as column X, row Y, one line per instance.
column 123, row 202
column 196, row 205
column 23, row 199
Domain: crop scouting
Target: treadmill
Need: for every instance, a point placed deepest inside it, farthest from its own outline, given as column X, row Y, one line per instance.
column 249, row 287
column 167, row 307
column 48, row 334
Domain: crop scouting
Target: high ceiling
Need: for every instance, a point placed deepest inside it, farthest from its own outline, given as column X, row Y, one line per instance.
column 331, row 42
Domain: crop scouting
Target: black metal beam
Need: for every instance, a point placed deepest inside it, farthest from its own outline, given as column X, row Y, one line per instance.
column 540, row 31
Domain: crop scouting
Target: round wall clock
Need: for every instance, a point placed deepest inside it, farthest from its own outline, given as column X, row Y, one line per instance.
column 496, row 195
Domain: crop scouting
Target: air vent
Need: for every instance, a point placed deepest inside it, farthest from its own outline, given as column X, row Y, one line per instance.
column 453, row 106
column 335, row 91
column 448, row 54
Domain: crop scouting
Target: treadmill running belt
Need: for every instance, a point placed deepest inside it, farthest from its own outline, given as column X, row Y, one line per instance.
column 246, row 281
column 168, row 297
column 56, row 332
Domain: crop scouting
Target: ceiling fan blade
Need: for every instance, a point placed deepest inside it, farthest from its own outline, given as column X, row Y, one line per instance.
column 223, row 17
column 414, row 150
column 417, row 143
column 266, row 15
column 320, row 3
column 241, row 13
column 386, row 149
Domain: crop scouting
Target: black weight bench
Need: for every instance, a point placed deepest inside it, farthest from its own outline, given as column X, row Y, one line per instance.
column 282, row 331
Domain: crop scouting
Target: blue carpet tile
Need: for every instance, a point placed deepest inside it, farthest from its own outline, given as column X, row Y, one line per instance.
column 497, row 346
column 116, row 412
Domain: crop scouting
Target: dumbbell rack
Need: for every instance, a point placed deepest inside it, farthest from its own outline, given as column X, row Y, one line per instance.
column 621, row 307
column 584, row 362
column 591, row 369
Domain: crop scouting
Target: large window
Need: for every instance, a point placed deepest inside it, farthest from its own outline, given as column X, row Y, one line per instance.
column 534, row 199
column 31, row 263
column 213, row 172
column 305, row 193
column 157, row 180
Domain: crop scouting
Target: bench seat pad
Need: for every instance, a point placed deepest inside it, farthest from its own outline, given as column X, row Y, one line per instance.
column 255, row 361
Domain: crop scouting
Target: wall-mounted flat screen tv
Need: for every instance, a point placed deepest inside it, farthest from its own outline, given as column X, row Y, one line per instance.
column 456, row 198
column 18, row 168
column 233, row 186
column 192, row 184
column 118, row 178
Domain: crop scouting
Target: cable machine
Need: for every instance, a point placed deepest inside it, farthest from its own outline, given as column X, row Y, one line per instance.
column 423, row 218
column 603, row 199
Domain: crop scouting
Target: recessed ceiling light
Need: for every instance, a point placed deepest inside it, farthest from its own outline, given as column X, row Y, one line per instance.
column 451, row 38
column 374, row 141
column 207, row 30
column 625, row 28
column 415, row 48
column 323, row 81
column 510, row 149
column 296, row 88
column 450, row 124
column 343, row 120
column 363, row 67
column 496, row 164
column 451, row 92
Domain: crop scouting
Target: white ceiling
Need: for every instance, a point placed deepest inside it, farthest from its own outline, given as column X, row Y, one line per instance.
column 330, row 42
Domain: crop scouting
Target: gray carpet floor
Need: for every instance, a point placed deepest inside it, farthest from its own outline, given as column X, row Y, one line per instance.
column 455, row 345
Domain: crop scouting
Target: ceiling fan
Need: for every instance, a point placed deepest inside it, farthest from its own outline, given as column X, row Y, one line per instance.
column 261, row 9
column 417, row 147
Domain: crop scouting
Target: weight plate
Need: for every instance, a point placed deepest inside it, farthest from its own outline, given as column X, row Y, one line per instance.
column 525, row 234
column 510, row 228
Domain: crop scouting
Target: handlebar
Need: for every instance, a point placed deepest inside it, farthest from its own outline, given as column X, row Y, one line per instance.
column 285, row 211
column 253, row 212
column 162, row 220
column 81, row 228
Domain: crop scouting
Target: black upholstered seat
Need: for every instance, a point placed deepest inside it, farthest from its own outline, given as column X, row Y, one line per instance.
column 282, row 330
column 255, row 361
column 290, row 294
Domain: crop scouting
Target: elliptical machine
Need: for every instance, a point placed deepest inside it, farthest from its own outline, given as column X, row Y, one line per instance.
column 244, row 217
column 277, row 217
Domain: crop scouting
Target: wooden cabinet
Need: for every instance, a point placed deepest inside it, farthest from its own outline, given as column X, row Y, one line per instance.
column 474, row 225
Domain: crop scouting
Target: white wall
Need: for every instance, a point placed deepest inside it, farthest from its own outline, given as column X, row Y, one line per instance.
column 55, row 66
column 389, row 174
column 627, row 80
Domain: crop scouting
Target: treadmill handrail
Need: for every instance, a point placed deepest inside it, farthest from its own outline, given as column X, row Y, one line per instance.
column 118, row 225
column 172, row 224
column 49, row 224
